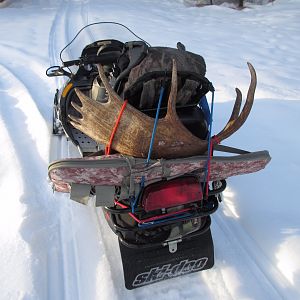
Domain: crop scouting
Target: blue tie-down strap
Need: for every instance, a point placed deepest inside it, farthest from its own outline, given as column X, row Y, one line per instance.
column 205, row 108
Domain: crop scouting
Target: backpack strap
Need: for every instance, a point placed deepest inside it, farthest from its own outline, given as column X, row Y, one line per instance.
column 134, row 53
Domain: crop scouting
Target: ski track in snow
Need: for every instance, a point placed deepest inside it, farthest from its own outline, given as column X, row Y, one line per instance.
column 58, row 38
column 233, row 239
column 58, row 264
column 20, row 111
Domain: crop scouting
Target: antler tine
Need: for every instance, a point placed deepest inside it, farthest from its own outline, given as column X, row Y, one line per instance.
column 75, row 105
column 236, row 124
column 76, row 122
column 171, row 112
column 74, row 119
column 235, row 111
column 113, row 96
column 83, row 99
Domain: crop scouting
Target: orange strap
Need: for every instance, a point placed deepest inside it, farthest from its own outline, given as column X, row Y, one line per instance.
column 108, row 146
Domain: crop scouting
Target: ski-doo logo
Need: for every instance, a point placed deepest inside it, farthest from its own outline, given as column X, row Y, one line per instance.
column 168, row 271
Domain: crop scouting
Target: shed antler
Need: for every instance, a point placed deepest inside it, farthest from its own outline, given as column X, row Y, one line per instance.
column 133, row 136
column 237, row 119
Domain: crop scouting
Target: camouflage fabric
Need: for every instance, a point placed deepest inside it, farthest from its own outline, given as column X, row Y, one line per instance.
column 142, row 87
column 117, row 170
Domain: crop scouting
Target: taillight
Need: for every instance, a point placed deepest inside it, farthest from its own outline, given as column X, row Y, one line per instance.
column 166, row 194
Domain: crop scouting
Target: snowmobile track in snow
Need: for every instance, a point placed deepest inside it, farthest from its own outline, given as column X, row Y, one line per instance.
column 21, row 110
column 58, row 38
column 228, row 240
column 256, row 263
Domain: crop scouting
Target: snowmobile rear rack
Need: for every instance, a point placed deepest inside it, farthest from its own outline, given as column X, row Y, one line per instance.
column 197, row 233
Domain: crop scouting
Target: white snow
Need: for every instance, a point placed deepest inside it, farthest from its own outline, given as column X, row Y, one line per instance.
column 52, row 248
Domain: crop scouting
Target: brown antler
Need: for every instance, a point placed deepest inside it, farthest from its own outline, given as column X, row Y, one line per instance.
column 237, row 120
column 134, row 132
column 235, row 111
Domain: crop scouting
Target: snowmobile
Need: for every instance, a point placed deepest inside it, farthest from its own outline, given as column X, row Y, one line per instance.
column 141, row 122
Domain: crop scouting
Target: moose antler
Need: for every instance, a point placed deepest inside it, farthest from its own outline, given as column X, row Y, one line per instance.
column 236, row 120
column 134, row 132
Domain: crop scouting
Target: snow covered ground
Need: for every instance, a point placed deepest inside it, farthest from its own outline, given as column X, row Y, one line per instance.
column 52, row 248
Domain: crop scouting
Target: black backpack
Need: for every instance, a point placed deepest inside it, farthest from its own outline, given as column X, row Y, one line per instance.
column 138, row 71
